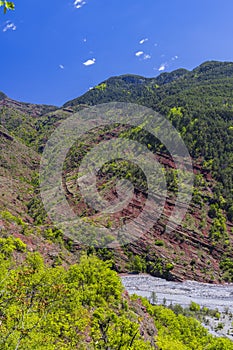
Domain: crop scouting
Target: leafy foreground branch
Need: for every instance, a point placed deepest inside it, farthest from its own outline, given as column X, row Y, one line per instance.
column 85, row 307
column 7, row 5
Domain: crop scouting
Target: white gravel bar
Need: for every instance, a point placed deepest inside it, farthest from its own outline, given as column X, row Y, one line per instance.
column 210, row 295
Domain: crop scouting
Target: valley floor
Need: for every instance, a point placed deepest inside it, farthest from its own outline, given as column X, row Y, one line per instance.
column 211, row 296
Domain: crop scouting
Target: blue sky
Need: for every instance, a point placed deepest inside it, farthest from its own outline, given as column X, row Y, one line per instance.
column 53, row 51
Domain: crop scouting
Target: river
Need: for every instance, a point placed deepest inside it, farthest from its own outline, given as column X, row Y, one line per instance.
column 209, row 295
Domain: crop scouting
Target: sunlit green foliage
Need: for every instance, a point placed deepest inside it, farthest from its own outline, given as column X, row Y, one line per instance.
column 54, row 308
column 83, row 307
column 7, row 5
column 183, row 333
column 227, row 267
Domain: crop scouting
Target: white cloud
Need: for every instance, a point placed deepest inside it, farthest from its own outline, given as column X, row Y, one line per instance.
column 166, row 65
column 162, row 67
column 139, row 53
column 90, row 62
column 79, row 3
column 9, row 25
column 143, row 41
column 155, row 44
column 61, row 66
column 146, row 57
column 85, row 40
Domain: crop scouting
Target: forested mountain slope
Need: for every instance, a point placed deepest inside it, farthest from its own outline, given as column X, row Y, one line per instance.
column 200, row 105
column 50, row 302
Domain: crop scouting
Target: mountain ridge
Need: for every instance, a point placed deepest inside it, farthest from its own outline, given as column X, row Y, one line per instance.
column 165, row 77
column 199, row 103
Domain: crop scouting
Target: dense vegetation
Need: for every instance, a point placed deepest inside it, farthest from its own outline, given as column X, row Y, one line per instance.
column 174, row 331
column 83, row 307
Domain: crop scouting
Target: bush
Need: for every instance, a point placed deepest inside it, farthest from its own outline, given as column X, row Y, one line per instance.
column 194, row 307
column 159, row 243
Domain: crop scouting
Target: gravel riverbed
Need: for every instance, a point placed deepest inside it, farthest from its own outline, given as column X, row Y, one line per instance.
column 209, row 295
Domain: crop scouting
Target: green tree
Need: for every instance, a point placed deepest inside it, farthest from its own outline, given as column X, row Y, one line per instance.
column 230, row 213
